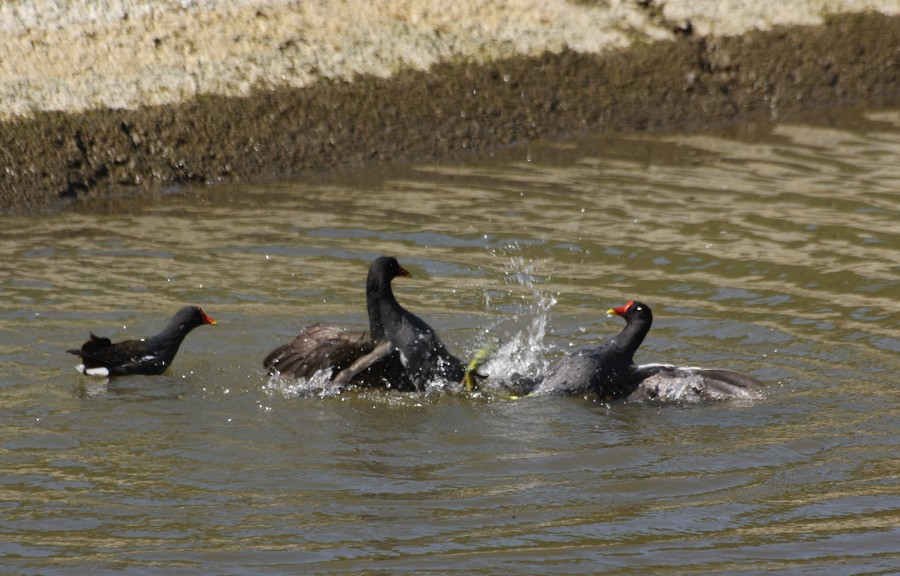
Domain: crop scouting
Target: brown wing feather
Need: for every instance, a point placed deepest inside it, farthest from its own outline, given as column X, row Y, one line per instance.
column 317, row 347
column 675, row 383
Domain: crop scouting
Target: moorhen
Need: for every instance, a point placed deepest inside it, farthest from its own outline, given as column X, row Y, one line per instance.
column 422, row 353
column 399, row 349
column 608, row 371
column 100, row 357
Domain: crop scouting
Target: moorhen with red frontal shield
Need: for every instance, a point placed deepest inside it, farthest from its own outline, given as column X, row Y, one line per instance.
column 608, row 371
column 100, row 357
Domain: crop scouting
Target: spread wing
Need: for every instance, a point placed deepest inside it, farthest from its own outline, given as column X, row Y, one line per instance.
column 676, row 383
column 317, row 347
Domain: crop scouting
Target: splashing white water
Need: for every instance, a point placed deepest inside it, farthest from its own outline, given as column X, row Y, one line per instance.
column 316, row 385
column 523, row 353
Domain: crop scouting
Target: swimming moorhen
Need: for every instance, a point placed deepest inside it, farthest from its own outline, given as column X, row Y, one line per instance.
column 399, row 350
column 608, row 371
column 421, row 351
column 100, row 357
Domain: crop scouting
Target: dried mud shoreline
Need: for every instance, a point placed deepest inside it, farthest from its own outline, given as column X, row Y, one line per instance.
column 450, row 110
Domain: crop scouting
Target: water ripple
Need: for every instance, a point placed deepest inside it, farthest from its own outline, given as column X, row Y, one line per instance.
column 771, row 249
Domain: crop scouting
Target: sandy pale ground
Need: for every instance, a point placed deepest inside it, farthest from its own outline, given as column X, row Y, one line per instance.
column 103, row 96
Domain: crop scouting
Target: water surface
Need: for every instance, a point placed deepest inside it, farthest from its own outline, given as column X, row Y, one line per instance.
column 769, row 249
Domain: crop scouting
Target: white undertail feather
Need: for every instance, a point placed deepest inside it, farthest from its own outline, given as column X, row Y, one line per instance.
column 101, row 371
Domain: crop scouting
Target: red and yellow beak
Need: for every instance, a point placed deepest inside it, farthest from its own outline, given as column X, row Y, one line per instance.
column 621, row 310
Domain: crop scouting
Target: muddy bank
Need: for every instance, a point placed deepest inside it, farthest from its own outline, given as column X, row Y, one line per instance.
column 450, row 110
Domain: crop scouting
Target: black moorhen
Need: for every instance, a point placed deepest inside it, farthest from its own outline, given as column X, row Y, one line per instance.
column 100, row 357
column 421, row 351
column 400, row 349
column 608, row 371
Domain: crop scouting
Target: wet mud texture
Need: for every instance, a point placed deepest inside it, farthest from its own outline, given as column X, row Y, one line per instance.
column 449, row 111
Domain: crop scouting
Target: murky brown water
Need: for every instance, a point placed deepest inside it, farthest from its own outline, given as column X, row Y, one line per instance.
column 770, row 250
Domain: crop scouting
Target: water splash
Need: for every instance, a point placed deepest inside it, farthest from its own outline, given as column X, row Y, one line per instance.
column 523, row 353
column 317, row 385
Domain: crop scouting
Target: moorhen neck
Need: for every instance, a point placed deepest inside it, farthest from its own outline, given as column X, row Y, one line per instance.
column 638, row 319
column 100, row 357
column 380, row 298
